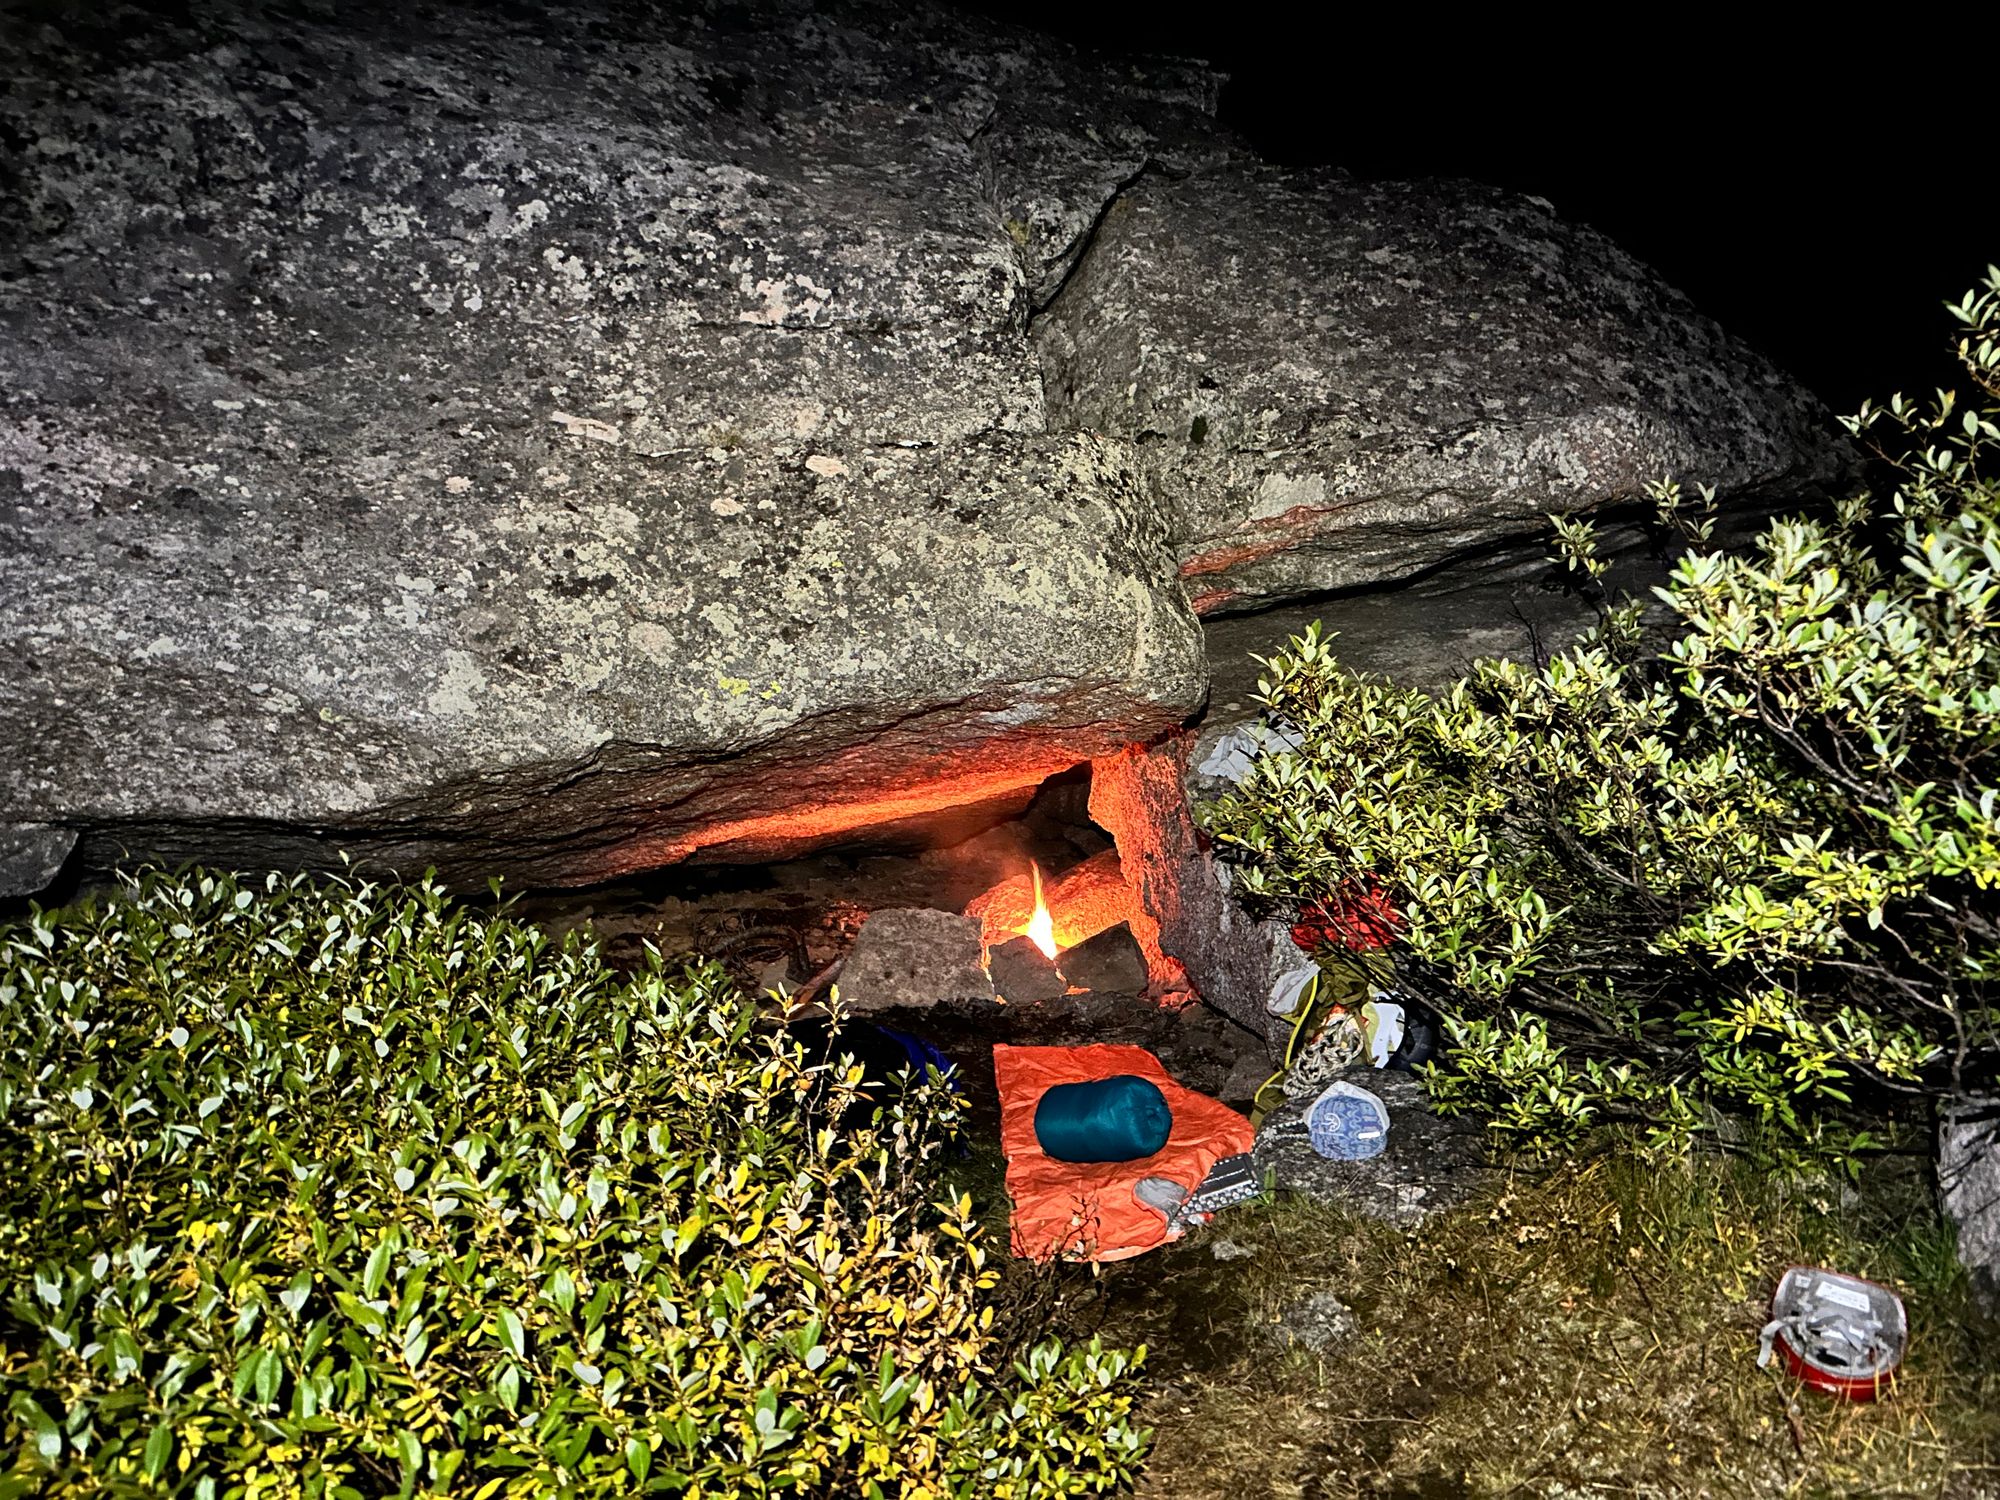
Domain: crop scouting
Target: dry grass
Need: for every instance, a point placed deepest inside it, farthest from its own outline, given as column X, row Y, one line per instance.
column 1589, row 1332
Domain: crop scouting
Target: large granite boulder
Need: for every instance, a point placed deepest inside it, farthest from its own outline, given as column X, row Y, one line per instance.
column 552, row 443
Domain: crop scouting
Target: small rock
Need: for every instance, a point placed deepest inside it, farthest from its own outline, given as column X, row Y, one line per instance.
column 1247, row 1075
column 1317, row 1322
column 1969, row 1176
column 913, row 957
column 31, row 856
column 1108, row 963
column 1224, row 751
column 1229, row 1250
column 1021, row 974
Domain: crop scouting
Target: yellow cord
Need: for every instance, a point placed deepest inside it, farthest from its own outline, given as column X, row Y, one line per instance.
column 1308, row 998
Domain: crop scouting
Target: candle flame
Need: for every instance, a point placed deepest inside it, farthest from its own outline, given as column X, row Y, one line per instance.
column 1041, row 929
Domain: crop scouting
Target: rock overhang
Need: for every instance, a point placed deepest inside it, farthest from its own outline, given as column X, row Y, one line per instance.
column 610, row 656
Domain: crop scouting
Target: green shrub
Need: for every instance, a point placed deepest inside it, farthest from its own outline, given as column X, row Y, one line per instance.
column 1758, row 869
column 340, row 1189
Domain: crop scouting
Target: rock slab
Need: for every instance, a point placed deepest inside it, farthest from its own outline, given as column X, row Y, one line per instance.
column 540, row 448
column 911, row 958
column 1432, row 1162
column 1338, row 382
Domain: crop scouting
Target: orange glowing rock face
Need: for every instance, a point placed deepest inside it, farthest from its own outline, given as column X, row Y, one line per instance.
column 1041, row 928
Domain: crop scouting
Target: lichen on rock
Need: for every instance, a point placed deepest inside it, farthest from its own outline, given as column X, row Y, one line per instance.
column 548, row 451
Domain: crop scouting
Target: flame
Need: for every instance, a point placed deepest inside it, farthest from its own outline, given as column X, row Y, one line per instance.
column 1041, row 928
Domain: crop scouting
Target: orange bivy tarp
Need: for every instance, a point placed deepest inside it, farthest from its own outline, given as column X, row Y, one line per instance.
column 1086, row 1210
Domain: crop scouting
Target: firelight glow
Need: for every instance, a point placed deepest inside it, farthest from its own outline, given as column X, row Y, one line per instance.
column 1041, row 929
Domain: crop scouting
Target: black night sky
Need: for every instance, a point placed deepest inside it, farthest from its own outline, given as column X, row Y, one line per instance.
column 1820, row 190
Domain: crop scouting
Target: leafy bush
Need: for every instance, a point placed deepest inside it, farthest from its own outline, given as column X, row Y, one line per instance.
column 340, row 1189
column 1758, row 868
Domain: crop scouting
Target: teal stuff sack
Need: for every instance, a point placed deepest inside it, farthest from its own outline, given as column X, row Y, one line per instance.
column 1107, row 1119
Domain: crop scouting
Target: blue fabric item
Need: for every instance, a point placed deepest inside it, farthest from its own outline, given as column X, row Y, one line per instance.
column 1348, row 1124
column 921, row 1055
column 1122, row 1118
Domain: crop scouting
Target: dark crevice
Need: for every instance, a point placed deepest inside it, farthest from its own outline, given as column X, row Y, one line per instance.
column 1079, row 249
column 1627, row 525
